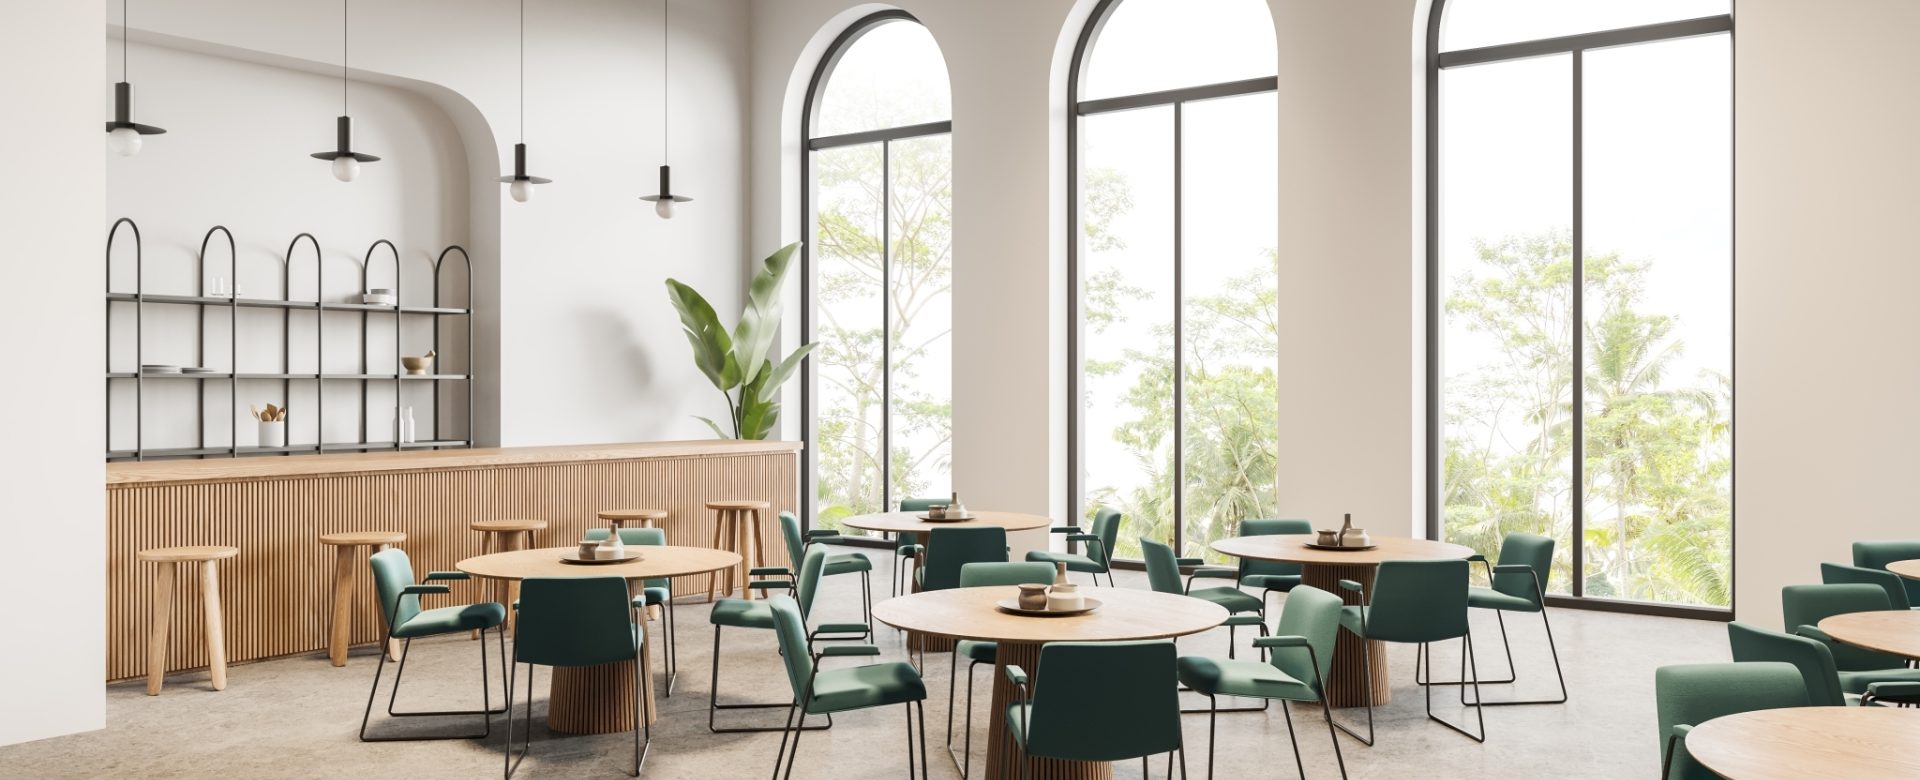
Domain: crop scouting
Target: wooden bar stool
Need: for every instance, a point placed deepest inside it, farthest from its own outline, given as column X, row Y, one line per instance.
column 641, row 518
column 168, row 558
column 736, row 528
column 347, row 548
column 504, row 536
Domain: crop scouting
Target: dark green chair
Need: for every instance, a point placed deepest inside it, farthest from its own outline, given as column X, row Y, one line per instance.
column 1244, row 609
column 1098, row 558
column 824, row 692
column 1103, row 701
column 1519, row 585
column 1893, row 584
column 1826, row 685
column 1418, row 602
column 948, row 549
column 1876, row 555
column 1269, row 576
column 1302, row 647
column 574, row 622
column 905, row 548
column 1804, row 606
column 405, row 620
column 977, row 652
column 742, row 613
column 1689, row 695
column 657, row 592
column 837, row 563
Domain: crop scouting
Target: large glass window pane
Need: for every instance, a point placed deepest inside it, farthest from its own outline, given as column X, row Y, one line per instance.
column 1155, row 45
column 1230, row 333
column 1658, row 321
column 920, row 311
column 1127, row 312
column 1506, row 282
column 848, row 308
column 891, row 76
column 1474, row 23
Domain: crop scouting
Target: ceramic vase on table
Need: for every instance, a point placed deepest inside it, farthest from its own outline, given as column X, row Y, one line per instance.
column 1033, row 597
column 1064, row 598
column 613, row 547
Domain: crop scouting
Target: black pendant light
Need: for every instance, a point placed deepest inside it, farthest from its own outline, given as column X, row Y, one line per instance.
column 123, row 134
column 663, row 202
column 346, row 161
column 520, row 184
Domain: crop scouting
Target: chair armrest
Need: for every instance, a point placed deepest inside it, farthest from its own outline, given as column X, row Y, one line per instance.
column 1811, row 632
column 769, row 571
column 1016, row 675
column 842, row 628
column 1477, row 558
column 1280, row 641
column 821, row 533
column 1082, row 538
column 446, row 575
column 1904, row 691
column 1190, row 561
column 1216, row 572
column 1352, row 586
column 1681, row 730
column 1064, row 529
column 769, row 585
column 847, row 650
column 1513, row 568
column 417, row 590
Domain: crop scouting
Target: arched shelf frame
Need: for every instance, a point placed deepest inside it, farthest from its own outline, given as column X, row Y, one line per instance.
column 440, row 310
column 233, row 336
column 135, row 297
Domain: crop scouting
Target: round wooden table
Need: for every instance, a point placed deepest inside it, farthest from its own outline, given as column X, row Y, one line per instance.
column 1907, row 569
column 1797, row 743
column 922, row 530
column 1895, row 631
column 1324, row 569
column 969, row 613
column 599, row 699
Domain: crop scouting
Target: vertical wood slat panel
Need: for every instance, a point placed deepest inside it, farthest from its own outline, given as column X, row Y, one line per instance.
column 276, row 594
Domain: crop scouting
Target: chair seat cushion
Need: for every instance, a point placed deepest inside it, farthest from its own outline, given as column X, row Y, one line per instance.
column 976, row 650
column 446, row 620
column 1234, row 599
column 1857, row 682
column 909, row 550
column 741, row 613
column 1229, row 677
column 1244, row 619
column 655, row 596
column 872, row 685
column 1282, row 582
column 846, row 563
column 1488, row 598
column 1074, row 561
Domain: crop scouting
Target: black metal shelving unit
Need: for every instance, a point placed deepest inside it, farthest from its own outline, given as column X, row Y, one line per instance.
column 287, row 376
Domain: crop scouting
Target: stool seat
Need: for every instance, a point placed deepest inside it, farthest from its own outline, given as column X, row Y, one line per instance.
column 641, row 515
column 508, row 526
column 739, row 505
column 357, row 538
column 184, row 554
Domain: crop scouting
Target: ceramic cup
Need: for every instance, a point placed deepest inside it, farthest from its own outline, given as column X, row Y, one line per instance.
column 1065, row 598
column 1033, row 596
column 587, row 550
column 1328, row 537
column 937, row 511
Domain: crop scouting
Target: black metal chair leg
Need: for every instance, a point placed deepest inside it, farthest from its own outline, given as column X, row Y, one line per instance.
column 714, row 705
column 486, row 711
column 1366, row 655
column 1479, row 712
column 1326, row 710
column 1512, row 673
column 1294, row 740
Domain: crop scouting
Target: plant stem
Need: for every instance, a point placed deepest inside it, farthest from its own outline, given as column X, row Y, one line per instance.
column 733, row 413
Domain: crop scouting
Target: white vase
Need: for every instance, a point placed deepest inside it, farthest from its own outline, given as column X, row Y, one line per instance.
column 273, row 434
column 1065, row 598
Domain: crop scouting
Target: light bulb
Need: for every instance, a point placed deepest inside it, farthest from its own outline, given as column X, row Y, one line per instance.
column 522, row 190
column 124, row 141
column 345, row 168
column 664, row 208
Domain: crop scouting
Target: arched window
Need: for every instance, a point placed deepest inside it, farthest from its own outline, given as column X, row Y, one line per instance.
column 1174, row 200
column 878, row 261
column 1580, row 289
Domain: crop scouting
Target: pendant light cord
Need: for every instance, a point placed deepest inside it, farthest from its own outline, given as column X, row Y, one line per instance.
column 523, row 71
column 343, row 57
column 666, row 83
column 123, row 40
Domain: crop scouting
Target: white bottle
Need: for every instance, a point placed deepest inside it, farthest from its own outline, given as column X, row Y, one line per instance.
column 408, row 433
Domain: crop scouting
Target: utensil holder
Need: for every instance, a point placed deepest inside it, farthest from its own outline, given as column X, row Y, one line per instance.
column 273, row 434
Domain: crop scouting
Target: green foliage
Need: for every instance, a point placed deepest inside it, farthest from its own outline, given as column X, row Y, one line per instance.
column 738, row 365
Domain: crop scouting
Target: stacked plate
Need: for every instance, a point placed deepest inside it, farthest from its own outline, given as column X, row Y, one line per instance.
column 156, row 368
column 199, row 370
column 379, row 296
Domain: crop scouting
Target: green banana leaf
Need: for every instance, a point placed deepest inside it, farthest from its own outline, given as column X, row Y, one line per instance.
column 742, row 361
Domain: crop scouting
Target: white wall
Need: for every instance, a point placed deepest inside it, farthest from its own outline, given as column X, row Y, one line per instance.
column 51, row 461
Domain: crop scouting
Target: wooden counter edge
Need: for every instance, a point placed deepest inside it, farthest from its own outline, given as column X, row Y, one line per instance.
column 215, row 470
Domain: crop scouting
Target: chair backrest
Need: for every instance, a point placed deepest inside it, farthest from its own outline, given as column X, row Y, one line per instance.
column 1893, row 584
column 1314, row 614
column 1693, row 694
column 790, row 628
column 1810, row 656
column 392, row 573
column 574, row 621
column 948, row 549
column 1268, row 526
column 1807, row 605
column 1163, row 569
column 1105, row 701
column 1529, row 550
column 977, row 575
column 1106, row 525
column 806, row 581
column 1418, row 601
column 637, row 537
column 796, row 543
column 1876, row 555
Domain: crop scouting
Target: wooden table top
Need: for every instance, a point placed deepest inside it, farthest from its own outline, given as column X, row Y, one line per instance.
column 655, row 562
column 1810, row 742
column 1291, row 548
column 1895, row 631
column 162, row 472
column 1125, row 613
column 910, row 522
column 356, row 538
column 180, row 554
column 1907, row 569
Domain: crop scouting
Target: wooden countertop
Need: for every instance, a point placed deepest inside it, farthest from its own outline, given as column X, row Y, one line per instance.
column 169, row 472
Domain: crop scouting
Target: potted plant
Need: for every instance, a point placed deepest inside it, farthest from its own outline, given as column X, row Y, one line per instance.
column 740, row 365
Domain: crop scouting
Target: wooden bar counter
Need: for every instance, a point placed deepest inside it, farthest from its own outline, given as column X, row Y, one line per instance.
column 277, row 592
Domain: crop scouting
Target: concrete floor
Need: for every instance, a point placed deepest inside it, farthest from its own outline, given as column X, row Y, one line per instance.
column 297, row 717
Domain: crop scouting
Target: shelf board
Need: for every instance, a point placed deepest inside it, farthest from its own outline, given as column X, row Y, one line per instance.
column 172, row 452
column 270, row 450
column 409, row 377
column 356, row 446
column 277, row 376
column 413, row 445
column 268, row 303
column 131, row 375
column 432, row 310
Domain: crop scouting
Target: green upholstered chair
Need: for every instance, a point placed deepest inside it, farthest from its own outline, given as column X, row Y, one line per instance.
column 1269, row 576
column 904, row 547
column 1826, row 687
column 819, row 691
column 1519, row 584
column 742, row 613
column 657, row 592
column 1245, row 609
column 1418, row 602
column 1876, row 555
column 1804, row 606
column 1692, row 694
column 837, row 563
column 1098, row 558
column 948, row 549
column 976, row 651
column 1102, row 701
column 404, row 619
column 573, row 622
column 1302, row 645
column 1893, row 584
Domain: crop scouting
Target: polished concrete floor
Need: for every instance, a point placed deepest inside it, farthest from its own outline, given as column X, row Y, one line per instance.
column 297, row 717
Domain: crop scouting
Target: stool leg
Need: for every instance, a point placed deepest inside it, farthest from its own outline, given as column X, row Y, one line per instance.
column 216, row 635
column 487, row 587
column 719, row 522
column 742, row 544
column 340, row 634
column 157, row 633
column 512, row 587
